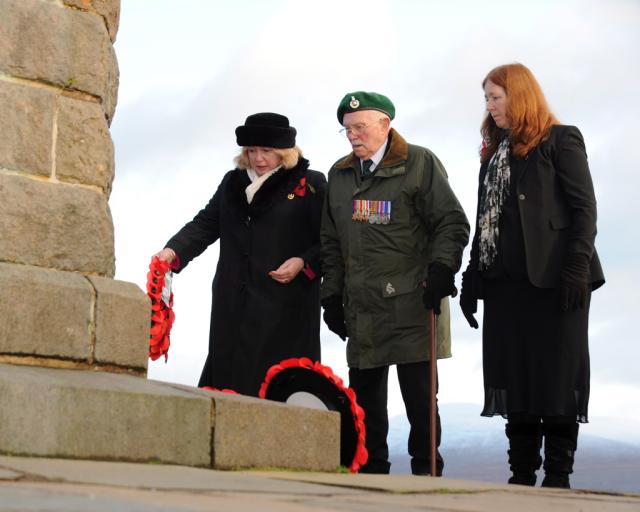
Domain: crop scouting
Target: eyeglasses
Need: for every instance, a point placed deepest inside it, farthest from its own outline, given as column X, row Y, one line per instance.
column 356, row 129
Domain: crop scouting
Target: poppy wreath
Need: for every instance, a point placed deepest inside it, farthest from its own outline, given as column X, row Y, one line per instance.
column 162, row 316
column 302, row 374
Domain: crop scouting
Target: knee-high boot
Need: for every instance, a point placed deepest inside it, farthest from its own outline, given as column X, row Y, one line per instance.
column 560, row 444
column 525, row 441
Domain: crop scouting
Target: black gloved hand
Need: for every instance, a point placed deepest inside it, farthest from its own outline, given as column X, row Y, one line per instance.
column 334, row 315
column 574, row 283
column 468, row 301
column 439, row 284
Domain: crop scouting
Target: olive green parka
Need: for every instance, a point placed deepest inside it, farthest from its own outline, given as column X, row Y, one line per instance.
column 378, row 268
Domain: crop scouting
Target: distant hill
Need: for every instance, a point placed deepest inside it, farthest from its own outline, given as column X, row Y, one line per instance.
column 475, row 448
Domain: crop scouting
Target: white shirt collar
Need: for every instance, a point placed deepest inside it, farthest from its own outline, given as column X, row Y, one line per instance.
column 377, row 156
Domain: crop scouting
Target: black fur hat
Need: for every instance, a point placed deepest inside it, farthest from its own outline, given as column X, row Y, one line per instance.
column 268, row 130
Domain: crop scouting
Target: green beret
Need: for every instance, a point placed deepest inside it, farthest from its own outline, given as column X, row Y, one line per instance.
column 360, row 100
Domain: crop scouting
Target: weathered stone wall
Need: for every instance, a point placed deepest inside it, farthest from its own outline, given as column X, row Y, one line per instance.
column 58, row 91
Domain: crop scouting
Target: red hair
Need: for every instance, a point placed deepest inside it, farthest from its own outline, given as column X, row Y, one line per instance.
column 529, row 116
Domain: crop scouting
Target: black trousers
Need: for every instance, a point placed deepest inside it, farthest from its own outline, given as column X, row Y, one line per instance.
column 371, row 386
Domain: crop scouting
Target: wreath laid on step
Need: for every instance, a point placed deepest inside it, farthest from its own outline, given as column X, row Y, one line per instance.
column 301, row 375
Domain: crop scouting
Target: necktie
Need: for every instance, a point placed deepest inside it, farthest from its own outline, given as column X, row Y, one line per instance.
column 366, row 166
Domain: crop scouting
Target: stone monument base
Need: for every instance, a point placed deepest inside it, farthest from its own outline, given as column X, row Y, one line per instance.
column 85, row 414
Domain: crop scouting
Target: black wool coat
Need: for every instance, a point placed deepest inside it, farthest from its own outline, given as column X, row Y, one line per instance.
column 255, row 321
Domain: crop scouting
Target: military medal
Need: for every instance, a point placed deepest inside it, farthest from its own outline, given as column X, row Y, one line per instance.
column 373, row 217
column 371, row 211
column 354, row 213
column 357, row 209
column 386, row 215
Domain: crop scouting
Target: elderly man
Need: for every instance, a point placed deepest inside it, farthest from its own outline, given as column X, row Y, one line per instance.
column 392, row 238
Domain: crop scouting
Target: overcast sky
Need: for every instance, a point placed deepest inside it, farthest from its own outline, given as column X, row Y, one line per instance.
column 191, row 71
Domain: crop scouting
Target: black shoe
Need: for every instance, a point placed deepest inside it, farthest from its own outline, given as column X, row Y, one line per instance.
column 523, row 479
column 380, row 467
column 422, row 467
column 557, row 480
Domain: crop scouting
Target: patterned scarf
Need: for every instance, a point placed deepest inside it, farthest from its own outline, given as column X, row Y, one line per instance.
column 494, row 191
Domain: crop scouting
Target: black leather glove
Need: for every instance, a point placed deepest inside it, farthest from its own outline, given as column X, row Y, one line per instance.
column 439, row 284
column 468, row 300
column 334, row 315
column 574, row 283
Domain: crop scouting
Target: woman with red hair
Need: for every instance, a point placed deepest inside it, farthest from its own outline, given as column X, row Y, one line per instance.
column 534, row 264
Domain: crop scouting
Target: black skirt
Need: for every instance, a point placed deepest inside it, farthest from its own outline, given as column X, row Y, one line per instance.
column 535, row 357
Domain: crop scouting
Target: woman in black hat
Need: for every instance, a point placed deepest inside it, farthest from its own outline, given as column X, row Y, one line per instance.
column 266, row 214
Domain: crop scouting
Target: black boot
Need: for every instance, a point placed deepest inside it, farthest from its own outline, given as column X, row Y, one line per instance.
column 560, row 444
column 525, row 441
column 423, row 466
column 380, row 467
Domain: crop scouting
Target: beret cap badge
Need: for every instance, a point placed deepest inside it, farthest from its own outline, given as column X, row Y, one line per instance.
column 362, row 100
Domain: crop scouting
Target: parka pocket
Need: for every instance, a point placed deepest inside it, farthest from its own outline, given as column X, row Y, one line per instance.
column 404, row 296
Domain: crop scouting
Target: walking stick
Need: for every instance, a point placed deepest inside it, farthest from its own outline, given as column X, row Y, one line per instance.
column 433, row 366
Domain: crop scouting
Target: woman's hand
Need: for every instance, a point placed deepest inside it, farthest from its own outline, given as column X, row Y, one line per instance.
column 286, row 272
column 468, row 302
column 166, row 254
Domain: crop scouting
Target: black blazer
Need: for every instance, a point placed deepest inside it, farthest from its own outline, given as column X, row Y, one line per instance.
column 557, row 208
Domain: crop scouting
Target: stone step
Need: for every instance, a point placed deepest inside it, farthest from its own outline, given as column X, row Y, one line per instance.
column 85, row 414
column 96, row 322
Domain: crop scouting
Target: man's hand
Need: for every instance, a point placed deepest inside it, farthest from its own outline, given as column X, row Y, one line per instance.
column 439, row 284
column 334, row 315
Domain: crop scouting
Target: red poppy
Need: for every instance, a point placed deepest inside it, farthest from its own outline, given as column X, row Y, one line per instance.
column 301, row 187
